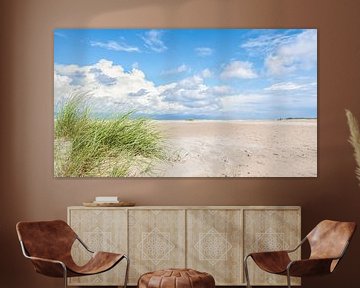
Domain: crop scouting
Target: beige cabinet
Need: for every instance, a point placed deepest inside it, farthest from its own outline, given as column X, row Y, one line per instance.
column 214, row 243
column 212, row 239
column 156, row 240
column 101, row 230
column 268, row 230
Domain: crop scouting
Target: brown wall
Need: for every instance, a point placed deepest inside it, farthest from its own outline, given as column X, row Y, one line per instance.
column 28, row 188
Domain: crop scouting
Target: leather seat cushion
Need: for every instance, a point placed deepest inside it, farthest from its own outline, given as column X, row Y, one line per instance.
column 176, row 278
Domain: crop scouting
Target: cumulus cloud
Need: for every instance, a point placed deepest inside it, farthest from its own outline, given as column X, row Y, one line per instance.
column 238, row 69
column 191, row 93
column 206, row 73
column 115, row 46
column 220, row 90
column 114, row 90
column 299, row 53
column 108, row 83
column 139, row 93
column 135, row 65
column 203, row 51
column 101, row 77
column 285, row 52
column 152, row 40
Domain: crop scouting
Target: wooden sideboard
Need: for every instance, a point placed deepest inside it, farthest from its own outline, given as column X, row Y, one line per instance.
column 212, row 239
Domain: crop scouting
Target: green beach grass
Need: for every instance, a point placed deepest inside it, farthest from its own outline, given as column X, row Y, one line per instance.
column 119, row 147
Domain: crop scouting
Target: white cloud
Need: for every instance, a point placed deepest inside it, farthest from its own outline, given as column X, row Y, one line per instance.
column 153, row 41
column 191, row 82
column 257, row 104
column 108, row 83
column 204, row 51
column 61, row 81
column 115, row 46
column 135, row 65
column 180, row 69
column 115, row 90
column 220, row 90
column 291, row 86
column 283, row 86
column 266, row 43
column 239, row 69
column 242, row 102
column 62, row 86
column 299, row 53
column 191, row 94
column 206, row 73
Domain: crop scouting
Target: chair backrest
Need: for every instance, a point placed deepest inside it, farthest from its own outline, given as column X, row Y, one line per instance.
column 329, row 239
column 46, row 239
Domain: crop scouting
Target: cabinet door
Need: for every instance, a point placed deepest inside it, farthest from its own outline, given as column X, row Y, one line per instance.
column 214, row 244
column 156, row 240
column 100, row 230
column 271, row 230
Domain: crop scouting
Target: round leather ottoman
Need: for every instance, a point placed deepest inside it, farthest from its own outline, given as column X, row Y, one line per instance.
column 176, row 278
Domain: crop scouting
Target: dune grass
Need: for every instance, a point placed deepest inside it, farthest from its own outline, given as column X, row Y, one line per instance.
column 354, row 140
column 118, row 147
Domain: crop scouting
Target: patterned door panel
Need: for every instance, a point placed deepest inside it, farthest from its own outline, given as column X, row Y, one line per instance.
column 156, row 240
column 101, row 230
column 214, row 241
column 270, row 230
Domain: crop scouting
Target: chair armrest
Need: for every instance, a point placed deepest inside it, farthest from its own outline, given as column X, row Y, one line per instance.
column 271, row 261
column 309, row 267
column 280, row 251
column 84, row 245
column 48, row 267
column 298, row 246
column 45, row 260
column 268, row 253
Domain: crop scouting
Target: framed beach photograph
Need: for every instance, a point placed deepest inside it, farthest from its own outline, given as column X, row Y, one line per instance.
column 185, row 102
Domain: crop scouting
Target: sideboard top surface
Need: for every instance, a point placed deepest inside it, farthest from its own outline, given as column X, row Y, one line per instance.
column 193, row 207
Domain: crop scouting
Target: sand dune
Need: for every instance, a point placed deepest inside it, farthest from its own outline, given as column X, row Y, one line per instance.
column 286, row 148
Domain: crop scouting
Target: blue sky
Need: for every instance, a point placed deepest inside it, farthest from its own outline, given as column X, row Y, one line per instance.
column 190, row 73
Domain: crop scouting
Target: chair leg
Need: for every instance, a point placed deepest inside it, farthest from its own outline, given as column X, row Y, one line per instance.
column 127, row 271
column 288, row 278
column 246, row 270
column 65, row 276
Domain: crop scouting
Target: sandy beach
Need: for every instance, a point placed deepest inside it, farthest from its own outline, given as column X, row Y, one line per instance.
column 204, row 148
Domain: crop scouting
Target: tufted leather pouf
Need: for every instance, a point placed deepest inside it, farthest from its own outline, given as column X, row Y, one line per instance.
column 176, row 278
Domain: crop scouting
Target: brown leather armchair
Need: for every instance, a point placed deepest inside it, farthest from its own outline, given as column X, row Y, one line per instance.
column 328, row 242
column 48, row 245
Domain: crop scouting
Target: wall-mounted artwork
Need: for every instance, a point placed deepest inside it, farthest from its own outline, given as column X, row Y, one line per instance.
column 185, row 103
